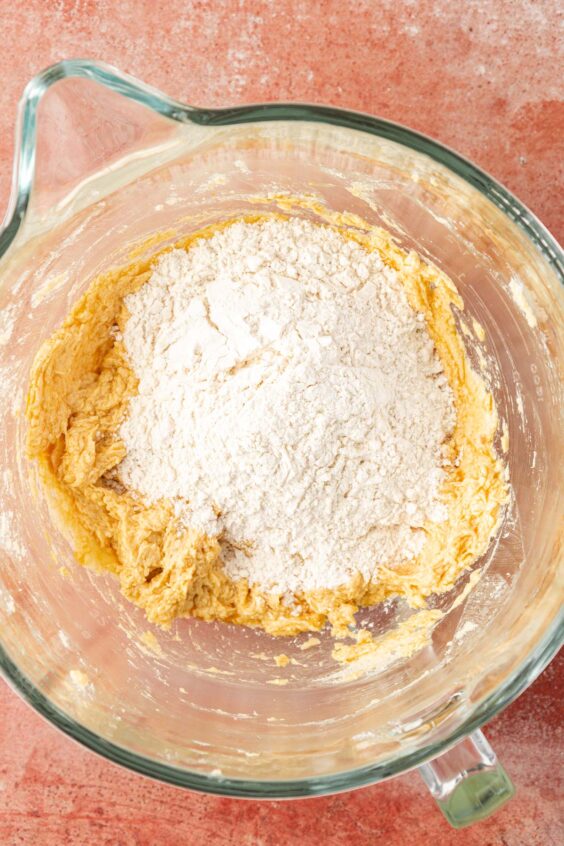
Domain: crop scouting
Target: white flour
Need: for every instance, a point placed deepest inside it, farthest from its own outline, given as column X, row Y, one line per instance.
column 289, row 401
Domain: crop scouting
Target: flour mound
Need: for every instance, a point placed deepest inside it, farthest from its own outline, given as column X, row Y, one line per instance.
column 290, row 402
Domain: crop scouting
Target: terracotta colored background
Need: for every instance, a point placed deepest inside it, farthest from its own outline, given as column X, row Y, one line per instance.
column 483, row 76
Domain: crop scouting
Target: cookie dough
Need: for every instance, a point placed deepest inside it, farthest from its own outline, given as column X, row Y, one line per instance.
column 78, row 396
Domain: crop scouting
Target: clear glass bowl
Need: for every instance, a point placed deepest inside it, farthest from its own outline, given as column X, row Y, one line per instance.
column 103, row 162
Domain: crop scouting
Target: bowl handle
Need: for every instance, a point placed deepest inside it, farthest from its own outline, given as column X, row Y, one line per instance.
column 468, row 782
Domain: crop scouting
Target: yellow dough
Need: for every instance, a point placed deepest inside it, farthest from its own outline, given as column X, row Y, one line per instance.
column 80, row 386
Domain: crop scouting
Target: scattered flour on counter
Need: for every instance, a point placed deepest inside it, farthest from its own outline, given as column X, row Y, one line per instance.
column 290, row 402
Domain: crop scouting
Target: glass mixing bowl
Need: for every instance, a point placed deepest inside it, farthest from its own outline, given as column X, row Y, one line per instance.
column 102, row 163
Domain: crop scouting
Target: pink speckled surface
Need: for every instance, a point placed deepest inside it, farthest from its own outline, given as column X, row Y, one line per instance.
column 480, row 76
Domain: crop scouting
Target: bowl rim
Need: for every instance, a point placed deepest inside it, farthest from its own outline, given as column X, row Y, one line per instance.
column 22, row 185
